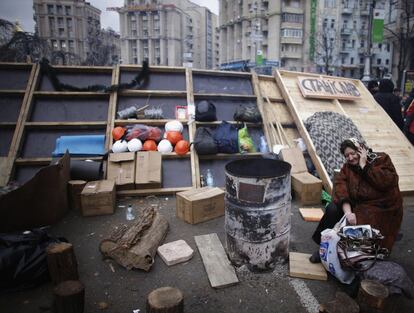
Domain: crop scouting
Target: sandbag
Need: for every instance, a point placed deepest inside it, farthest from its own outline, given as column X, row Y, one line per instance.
column 205, row 111
column 247, row 113
column 226, row 137
column 204, row 142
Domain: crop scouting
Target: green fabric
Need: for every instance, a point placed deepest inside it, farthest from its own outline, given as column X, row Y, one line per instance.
column 245, row 141
column 326, row 198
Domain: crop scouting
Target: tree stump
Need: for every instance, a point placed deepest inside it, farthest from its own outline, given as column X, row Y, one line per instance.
column 75, row 188
column 165, row 300
column 69, row 297
column 373, row 297
column 61, row 262
column 341, row 304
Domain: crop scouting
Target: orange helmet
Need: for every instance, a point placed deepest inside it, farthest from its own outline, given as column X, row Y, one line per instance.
column 182, row 147
column 149, row 145
column 118, row 132
column 174, row 137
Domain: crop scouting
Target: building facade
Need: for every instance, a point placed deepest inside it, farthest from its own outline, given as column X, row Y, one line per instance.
column 343, row 39
column 170, row 33
column 255, row 32
column 67, row 24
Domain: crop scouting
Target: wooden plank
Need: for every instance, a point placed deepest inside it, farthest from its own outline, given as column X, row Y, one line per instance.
column 66, row 125
column 146, row 122
column 113, row 99
column 149, row 192
column 20, row 124
column 219, row 270
column 311, row 214
column 70, row 94
column 221, row 73
column 7, row 124
column 195, row 166
column 303, row 132
column 9, row 65
column 223, row 156
column 158, row 68
column 152, row 93
column 10, row 92
column 224, row 96
column 300, row 266
column 230, row 122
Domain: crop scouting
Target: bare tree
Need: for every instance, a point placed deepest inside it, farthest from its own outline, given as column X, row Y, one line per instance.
column 403, row 35
column 326, row 56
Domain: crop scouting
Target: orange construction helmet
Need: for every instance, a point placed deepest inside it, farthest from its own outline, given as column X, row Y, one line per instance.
column 182, row 147
column 118, row 132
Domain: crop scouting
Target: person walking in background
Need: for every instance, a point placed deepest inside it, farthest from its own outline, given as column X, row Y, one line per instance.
column 389, row 102
column 373, row 87
column 407, row 102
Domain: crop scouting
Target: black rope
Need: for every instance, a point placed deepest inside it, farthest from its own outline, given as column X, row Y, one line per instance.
column 139, row 81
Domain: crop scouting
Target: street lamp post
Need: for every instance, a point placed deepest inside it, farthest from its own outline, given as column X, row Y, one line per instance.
column 367, row 64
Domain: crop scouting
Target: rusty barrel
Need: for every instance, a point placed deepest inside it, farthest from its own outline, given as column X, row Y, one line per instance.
column 257, row 213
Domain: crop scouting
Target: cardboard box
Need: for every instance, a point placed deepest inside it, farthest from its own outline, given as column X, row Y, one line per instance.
column 307, row 188
column 148, row 172
column 98, row 198
column 199, row 205
column 121, row 169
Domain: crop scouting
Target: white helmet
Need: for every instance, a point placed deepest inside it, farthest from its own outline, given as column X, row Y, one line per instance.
column 165, row 146
column 134, row 145
column 174, row 126
column 120, row 146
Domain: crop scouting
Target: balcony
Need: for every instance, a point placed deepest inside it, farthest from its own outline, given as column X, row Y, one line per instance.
column 345, row 31
column 290, row 55
column 364, row 11
column 347, row 11
column 363, row 32
column 288, row 9
column 346, row 50
column 291, row 40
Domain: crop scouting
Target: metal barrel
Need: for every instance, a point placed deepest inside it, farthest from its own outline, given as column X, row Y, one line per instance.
column 257, row 212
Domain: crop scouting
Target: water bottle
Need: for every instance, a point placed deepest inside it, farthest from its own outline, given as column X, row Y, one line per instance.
column 209, row 178
column 129, row 214
column 263, row 145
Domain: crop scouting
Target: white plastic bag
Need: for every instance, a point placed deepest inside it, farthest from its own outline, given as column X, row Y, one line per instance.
column 329, row 253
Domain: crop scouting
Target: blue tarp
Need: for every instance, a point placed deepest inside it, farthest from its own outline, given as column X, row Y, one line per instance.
column 87, row 145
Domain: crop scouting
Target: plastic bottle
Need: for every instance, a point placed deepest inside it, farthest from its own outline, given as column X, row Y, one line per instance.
column 209, row 178
column 263, row 145
column 129, row 214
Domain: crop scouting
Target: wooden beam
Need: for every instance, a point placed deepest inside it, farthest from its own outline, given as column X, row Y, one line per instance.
column 20, row 124
column 47, row 160
column 192, row 127
column 152, row 93
column 9, row 65
column 66, row 125
column 304, row 133
column 221, row 73
column 113, row 99
column 146, row 122
column 224, row 156
column 70, row 94
column 7, row 124
column 155, row 69
column 224, row 96
column 11, row 92
column 82, row 69
column 230, row 122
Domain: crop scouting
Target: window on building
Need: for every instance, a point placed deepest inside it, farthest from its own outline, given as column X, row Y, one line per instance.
column 60, row 22
column 329, row 3
column 332, row 23
column 68, row 10
column 388, row 47
column 61, row 32
column 352, row 61
column 361, row 60
column 355, row 25
column 387, row 62
column 380, row 46
column 55, row 45
column 52, row 25
column 292, row 18
column 134, row 33
column 343, row 60
column 59, row 9
column 362, row 43
column 50, row 9
column 63, row 45
column 71, row 46
column 353, row 43
column 352, row 73
column 325, row 23
column 289, row 32
column 378, row 61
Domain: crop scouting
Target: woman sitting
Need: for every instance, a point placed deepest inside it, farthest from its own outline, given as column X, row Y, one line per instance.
column 366, row 192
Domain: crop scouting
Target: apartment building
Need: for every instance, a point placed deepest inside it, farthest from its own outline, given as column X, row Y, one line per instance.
column 274, row 30
column 342, row 39
column 170, row 33
column 112, row 41
column 67, row 24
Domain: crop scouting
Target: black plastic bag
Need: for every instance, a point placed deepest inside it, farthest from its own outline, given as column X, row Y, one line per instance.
column 23, row 259
column 204, row 142
column 205, row 111
column 247, row 113
column 226, row 137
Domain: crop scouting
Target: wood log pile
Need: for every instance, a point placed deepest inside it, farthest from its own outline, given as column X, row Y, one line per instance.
column 135, row 245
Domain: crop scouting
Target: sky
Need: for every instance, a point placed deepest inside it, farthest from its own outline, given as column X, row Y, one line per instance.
column 22, row 11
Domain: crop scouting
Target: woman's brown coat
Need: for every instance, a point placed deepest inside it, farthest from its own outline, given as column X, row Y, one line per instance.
column 374, row 195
